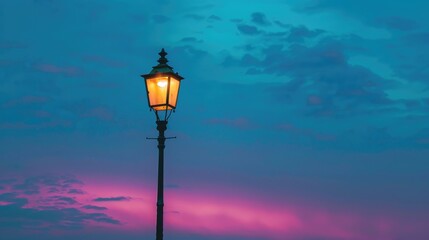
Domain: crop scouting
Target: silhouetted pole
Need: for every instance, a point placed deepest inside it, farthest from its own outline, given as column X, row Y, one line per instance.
column 161, row 126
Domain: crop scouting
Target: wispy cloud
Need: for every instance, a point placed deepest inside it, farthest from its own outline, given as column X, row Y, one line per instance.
column 260, row 19
column 92, row 207
column 28, row 204
column 248, row 29
column 62, row 70
column 76, row 191
column 111, row 199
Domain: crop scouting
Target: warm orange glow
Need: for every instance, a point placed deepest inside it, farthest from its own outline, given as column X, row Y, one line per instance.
column 174, row 90
column 162, row 83
column 157, row 94
column 158, row 88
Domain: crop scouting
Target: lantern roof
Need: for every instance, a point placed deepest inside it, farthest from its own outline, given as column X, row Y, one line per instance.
column 162, row 67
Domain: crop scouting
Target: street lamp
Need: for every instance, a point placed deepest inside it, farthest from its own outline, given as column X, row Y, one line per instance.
column 162, row 87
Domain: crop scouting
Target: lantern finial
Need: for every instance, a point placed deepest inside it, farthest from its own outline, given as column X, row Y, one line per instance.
column 162, row 66
column 162, row 60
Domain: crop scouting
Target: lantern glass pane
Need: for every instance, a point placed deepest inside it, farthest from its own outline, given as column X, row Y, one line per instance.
column 174, row 91
column 157, row 92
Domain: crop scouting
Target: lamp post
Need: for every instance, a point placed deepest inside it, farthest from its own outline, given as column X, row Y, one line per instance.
column 162, row 87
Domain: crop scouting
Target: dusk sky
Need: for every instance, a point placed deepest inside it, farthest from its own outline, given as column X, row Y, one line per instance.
column 296, row 120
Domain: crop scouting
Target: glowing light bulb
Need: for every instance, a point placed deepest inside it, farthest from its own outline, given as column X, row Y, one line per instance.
column 161, row 83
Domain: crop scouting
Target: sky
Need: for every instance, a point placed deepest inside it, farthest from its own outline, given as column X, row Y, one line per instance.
column 296, row 120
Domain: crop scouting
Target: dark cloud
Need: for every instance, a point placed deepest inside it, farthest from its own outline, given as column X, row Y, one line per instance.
column 53, row 190
column 248, row 29
column 51, row 213
column 293, row 34
column 65, row 200
column 300, row 33
column 71, row 180
column 190, row 51
column 214, row 18
column 56, row 201
column 283, row 25
column 101, row 217
column 337, row 88
column 260, row 19
column 15, row 218
column 92, row 207
column 13, row 199
column 76, row 191
column 277, row 34
column 33, row 185
column 29, row 187
column 111, row 199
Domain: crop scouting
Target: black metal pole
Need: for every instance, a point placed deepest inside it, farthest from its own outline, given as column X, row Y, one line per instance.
column 161, row 127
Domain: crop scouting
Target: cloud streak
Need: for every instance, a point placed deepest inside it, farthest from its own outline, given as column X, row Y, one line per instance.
column 111, row 199
column 54, row 69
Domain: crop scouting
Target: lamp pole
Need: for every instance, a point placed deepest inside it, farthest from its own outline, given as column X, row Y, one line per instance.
column 162, row 88
column 161, row 127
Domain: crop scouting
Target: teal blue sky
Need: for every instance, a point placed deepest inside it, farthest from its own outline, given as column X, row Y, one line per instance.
column 313, row 104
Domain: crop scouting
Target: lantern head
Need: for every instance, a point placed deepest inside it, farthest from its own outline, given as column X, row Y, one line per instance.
column 162, row 85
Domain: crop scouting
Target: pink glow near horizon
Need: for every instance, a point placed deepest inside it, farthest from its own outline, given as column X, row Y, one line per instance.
column 201, row 212
column 208, row 214
column 135, row 214
column 240, row 217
